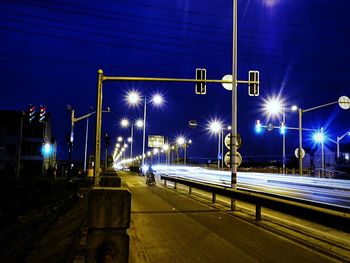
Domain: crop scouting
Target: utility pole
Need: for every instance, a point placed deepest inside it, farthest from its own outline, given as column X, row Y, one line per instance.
column 233, row 148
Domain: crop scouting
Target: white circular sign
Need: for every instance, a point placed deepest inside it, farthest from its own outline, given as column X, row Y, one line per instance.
column 227, row 86
column 296, row 152
column 269, row 126
column 228, row 141
column 344, row 102
column 237, row 161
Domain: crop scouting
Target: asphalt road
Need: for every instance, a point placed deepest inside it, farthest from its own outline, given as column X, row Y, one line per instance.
column 170, row 227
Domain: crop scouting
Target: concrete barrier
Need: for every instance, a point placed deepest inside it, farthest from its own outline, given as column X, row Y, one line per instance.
column 110, row 181
column 108, row 220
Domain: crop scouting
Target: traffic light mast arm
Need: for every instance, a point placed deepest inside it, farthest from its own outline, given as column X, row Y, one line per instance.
column 290, row 128
column 321, row 106
column 177, row 80
column 86, row 116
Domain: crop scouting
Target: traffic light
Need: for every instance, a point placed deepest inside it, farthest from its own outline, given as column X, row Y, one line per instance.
column 258, row 126
column 253, row 88
column 31, row 113
column 107, row 140
column 42, row 114
column 282, row 128
column 201, row 74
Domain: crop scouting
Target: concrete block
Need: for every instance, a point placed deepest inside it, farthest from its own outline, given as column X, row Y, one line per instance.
column 110, row 181
column 107, row 246
column 109, row 208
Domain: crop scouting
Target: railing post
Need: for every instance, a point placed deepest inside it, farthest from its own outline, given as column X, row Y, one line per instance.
column 258, row 212
column 174, row 185
column 213, row 198
column 190, row 190
column 164, row 182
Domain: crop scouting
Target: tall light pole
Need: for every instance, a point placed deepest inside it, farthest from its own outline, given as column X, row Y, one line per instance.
column 233, row 148
column 339, row 138
column 134, row 98
column 215, row 127
column 126, row 123
column 344, row 103
column 181, row 141
column 319, row 137
column 273, row 107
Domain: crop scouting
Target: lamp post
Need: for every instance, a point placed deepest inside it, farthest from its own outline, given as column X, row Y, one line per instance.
column 180, row 141
column 319, row 137
column 215, row 127
column 344, row 103
column 71, row 137
column 166, row 149
column 126, row 123
column 274, row 106
column 339, row 138
column 134, row 98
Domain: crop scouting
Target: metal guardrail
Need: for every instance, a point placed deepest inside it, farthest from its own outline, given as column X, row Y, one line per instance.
column 337, row 217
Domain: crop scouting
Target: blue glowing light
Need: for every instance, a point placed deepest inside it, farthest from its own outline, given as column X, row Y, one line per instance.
column 319, row 137
column 257, row 126
column 46, row 149
column 283, row 128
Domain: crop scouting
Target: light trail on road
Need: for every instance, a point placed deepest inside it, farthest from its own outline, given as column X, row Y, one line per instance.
column 321, row 190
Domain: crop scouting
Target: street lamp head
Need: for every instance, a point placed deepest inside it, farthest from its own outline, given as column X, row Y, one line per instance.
column 215, row 126
column 129, row 139
column 165, row 147
column 294, row 108
column 273, row 106
column 133, row 97
column 139, row 123
column 189, row 141
column 119, row 139
column 157, row 99
column 180, row 140
column 319, row 137
column 124, row 122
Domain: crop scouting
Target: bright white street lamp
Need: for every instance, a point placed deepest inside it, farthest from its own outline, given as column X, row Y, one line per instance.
column 319, row 137
column 126, row 123
column 216, row 127
column 134, row 98
column 274, row 106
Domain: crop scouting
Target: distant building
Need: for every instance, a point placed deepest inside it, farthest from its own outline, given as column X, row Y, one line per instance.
column 26, row 144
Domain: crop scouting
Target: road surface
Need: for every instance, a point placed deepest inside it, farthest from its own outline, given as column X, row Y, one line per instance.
column 170, row 227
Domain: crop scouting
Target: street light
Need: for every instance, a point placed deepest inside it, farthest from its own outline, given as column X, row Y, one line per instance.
column 215, row 126
column 274, row 106
column 71, row 137
column 134, row 98
column 126, row 123
column 339, row 138
column 182, row 141
column 344, row 103
column 319, row 137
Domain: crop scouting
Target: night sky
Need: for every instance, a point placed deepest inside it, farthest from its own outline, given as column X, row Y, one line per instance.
column 50, row 52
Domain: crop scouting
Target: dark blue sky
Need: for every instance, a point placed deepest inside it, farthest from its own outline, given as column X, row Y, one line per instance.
column 51, row 51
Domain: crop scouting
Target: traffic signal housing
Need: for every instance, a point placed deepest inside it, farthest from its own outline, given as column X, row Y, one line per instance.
column 31, row 113
column 201, row 74
column 257, row 126
column 253, row 86
column 282, row 128
column 42, row 113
